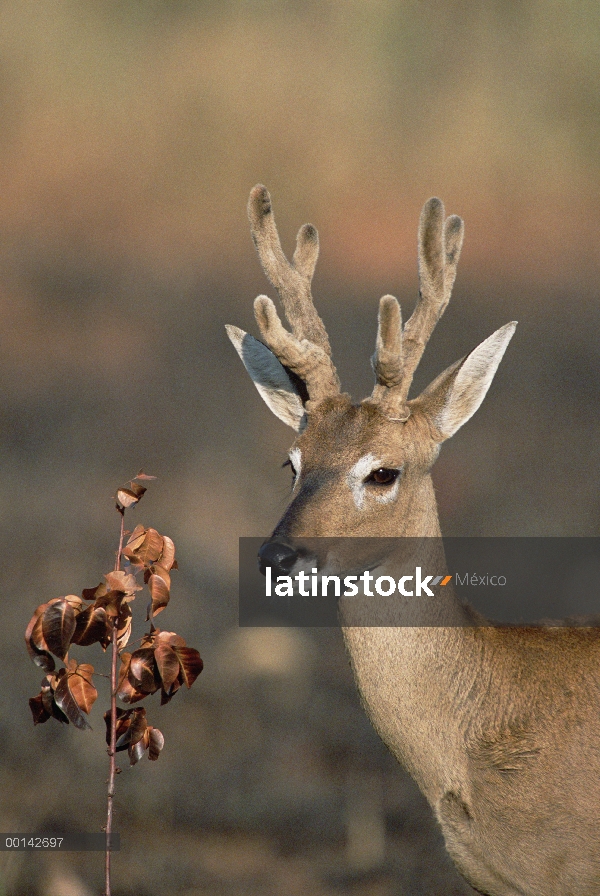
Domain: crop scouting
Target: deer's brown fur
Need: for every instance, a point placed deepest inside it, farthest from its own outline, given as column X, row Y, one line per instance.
column 499, row 727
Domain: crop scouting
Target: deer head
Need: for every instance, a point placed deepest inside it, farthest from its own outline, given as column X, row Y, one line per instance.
column 361, row 469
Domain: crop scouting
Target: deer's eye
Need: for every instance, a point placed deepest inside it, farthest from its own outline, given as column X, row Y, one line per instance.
column 383, row 476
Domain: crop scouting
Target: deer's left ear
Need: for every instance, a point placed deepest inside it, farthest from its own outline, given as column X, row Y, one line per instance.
column 456, row 394
column 270, row 377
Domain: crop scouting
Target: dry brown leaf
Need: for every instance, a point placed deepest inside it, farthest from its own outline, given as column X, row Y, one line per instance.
column 128, row 694
column 92, row 626
column 136, row 751
column 136, row 537
column 58, row 626
column 170, row 638
column 127, row 497
column 38, row 710
column 138, row 725
column 167, row 558
column 121, row 728
column 36, row 644
column 111, row 603
column 125, row 690
column 124, row 622
column 156, row 742
column 143, row 674
column 144, row 551
column 167, row 662
column 66, row 702
column 122, row 581
column 47, row 695
column 137, row 735
column 81, row 684
column 130, row 727
column 93, row 593
column 159, row 592
column 48, row 704
column 191, row 664
column 133, row 546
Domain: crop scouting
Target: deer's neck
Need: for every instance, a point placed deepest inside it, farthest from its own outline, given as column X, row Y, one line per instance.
column 411, row 677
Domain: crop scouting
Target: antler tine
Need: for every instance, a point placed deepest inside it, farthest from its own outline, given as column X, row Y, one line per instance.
column 440, row 242
column 292, row 281
column 307, row 360
column 388, row 361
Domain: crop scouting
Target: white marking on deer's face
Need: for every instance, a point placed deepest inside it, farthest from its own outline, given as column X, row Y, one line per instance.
column 357, row 475
column 295, row 456
column 391, row 494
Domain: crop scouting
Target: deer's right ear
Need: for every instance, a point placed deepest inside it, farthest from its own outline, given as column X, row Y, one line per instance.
column 270, row 377
column 456, row 394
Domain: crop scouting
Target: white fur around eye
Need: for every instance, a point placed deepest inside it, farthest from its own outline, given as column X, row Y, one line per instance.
column 357, row 475
column 356, row 481
column 390, row 494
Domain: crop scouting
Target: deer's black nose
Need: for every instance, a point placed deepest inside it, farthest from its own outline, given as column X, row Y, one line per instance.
column 278, row 555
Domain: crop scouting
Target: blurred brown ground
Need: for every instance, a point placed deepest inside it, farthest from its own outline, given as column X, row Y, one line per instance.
column 130, row 136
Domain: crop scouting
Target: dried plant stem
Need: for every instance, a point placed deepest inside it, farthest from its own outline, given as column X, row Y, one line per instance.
column 112, row 751
column 103, row 615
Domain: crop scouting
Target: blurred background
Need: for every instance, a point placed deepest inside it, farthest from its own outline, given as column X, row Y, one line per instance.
column 131, row 132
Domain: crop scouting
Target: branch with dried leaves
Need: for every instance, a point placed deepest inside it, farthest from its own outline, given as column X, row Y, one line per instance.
column 103, row 615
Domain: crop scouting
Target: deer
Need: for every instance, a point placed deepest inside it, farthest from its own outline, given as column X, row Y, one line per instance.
column 498, row 725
